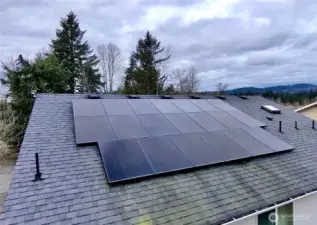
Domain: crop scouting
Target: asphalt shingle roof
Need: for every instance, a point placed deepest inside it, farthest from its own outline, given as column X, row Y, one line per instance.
column 75, row 189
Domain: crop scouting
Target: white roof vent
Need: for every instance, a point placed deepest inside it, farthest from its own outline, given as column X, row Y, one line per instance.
column 271, row 109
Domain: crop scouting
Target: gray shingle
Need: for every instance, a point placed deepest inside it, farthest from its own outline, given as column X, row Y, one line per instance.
column 75, row 190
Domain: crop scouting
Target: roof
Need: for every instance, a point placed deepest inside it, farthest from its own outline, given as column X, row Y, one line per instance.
column 75, row 190
column 306, row 107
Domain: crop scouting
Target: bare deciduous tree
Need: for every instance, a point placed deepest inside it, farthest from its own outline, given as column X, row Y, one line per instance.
column 162, row 67
column 221, row 88
column 110, row 61
column 186, row 81
column 101, row 49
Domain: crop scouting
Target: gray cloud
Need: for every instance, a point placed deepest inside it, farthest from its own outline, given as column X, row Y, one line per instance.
column 249, row 42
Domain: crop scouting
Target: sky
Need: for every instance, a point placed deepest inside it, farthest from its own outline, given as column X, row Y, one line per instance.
column 237, row 42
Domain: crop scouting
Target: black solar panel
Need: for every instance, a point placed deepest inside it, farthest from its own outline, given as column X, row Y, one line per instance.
column 124, row 159
column 115, row 107
column 185, row 105
column 184, row 123
column 221, row 105
column 246, row 119
column 142, row 137
column 91, row 129
column 205, row 105
column 158, row 125
column 197, row 151
column 163, row 154
column 126, row 127
column 143, row 106
column 227, row 120
column 248, row 142
column 206, row 121
column 165, row 106
column 84, row 107
column 268, row 139
column 228, row 149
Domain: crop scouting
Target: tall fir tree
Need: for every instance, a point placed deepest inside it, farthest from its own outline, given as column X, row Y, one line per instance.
column 143, row 75
column 75, row 55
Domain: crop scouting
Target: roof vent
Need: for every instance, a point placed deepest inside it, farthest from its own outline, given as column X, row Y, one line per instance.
column 243, row 97
column 271, row 109
column 221, row 97
column 133, row 96
column 93, row 96
column 166, row 96
column 194, row 97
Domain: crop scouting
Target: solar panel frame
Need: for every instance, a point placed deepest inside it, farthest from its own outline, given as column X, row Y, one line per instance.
column 158, row 125
column 85, row 107
column 163, row 154
column 128, row 126
column 119, row 167
column 117, row 107
column 91, row 129
column 184, row 123
column 248, row 142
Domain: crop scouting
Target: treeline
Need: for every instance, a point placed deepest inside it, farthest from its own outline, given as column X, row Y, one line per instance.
column 298, row 98
column 69, row 65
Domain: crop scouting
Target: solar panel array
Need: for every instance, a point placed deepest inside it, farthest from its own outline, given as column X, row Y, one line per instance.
column 143, row 137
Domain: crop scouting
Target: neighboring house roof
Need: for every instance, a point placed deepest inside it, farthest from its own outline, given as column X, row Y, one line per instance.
column 75, row 189
column 306, row 107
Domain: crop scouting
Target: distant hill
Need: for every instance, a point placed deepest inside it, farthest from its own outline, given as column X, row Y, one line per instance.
column 281, row 88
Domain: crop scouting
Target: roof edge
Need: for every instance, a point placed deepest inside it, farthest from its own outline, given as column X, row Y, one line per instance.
column 306, row 107
column 257, row 212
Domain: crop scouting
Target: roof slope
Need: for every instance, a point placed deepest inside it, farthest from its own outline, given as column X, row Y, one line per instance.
column 75, row 190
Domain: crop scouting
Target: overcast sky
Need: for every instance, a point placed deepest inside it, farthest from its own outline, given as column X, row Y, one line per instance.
column 239, row 42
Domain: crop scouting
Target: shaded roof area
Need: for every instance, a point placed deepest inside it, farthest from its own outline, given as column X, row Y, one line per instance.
column 75, row 189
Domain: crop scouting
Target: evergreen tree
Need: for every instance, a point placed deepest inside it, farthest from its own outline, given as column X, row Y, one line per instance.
column 75, row 55
column 43, row 75
column 143, row 75
column 129, row 79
